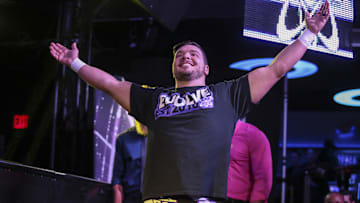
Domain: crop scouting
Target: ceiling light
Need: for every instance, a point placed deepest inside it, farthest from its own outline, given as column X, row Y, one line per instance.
column 347, row 97
column 301, row 68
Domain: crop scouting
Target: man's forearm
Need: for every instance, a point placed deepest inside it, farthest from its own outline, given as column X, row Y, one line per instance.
column 288, row 57
column 97, row 78
column 119, row 90
column 262, row 79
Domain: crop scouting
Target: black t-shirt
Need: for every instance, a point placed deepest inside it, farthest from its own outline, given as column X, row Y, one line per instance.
column 190, row 131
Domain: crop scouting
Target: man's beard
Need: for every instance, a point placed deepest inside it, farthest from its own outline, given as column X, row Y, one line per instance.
column 188, row 76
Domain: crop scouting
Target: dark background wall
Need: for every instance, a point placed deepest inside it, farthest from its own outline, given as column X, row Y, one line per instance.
column 131, row 40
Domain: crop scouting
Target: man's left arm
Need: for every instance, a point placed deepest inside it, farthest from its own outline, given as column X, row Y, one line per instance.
column 261, row 80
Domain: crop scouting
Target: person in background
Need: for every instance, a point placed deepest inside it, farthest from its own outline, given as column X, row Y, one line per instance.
column 348, row 197
column 250, row 171
column 128, row 164
column 334, row 197
column 324, row 170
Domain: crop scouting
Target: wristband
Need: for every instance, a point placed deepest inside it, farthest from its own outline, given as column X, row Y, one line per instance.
column 77, row 64
column 307, row 37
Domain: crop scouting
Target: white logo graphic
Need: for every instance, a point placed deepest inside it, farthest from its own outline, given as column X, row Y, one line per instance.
column 285, row 34
column 175, row 103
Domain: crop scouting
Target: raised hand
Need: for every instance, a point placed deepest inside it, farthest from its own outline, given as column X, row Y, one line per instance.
column 63, row 54
column 318, row 21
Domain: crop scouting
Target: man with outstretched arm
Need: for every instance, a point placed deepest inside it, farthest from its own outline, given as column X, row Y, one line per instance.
column 191, row 125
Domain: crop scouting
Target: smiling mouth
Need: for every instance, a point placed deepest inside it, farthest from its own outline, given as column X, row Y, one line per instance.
column 187, row 63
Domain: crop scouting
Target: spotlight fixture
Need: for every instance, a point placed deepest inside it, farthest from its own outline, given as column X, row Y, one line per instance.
column 348, row 97
column 301, row 68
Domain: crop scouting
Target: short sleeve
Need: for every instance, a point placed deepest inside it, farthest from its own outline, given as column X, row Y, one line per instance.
column 240, row 94
column 141, row 103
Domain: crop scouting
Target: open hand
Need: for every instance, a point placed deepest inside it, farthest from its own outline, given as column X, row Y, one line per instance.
column 318, row 21
column 63, row 54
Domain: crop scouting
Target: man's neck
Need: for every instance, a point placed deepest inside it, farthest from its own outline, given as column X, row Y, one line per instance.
column 192, row 83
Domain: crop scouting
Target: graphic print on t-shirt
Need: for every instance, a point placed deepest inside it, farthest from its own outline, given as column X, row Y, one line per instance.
column 175, row 103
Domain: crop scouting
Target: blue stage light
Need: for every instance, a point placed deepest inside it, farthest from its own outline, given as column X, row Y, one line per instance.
column 347, row 97
column 301, row 68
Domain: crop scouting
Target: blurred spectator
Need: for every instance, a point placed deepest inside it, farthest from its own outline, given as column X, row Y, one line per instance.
column 250, row 171
column 348, row 197
column 334, row 197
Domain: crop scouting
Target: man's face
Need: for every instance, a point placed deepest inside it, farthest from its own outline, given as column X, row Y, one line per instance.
column 189, row 64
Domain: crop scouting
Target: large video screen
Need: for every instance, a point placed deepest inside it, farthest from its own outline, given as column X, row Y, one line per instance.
column 283, row 21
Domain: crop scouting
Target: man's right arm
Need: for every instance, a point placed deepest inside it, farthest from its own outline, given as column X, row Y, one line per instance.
column 119, row 90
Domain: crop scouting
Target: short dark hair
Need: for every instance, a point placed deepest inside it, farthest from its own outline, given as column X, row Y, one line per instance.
column 177, row 46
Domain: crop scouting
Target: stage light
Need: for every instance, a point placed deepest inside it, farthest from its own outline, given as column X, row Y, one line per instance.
column 347, row 97
column 345, row 135
column 301, row 68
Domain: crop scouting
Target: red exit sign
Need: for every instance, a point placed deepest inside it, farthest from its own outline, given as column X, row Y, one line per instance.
column 21, row 121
